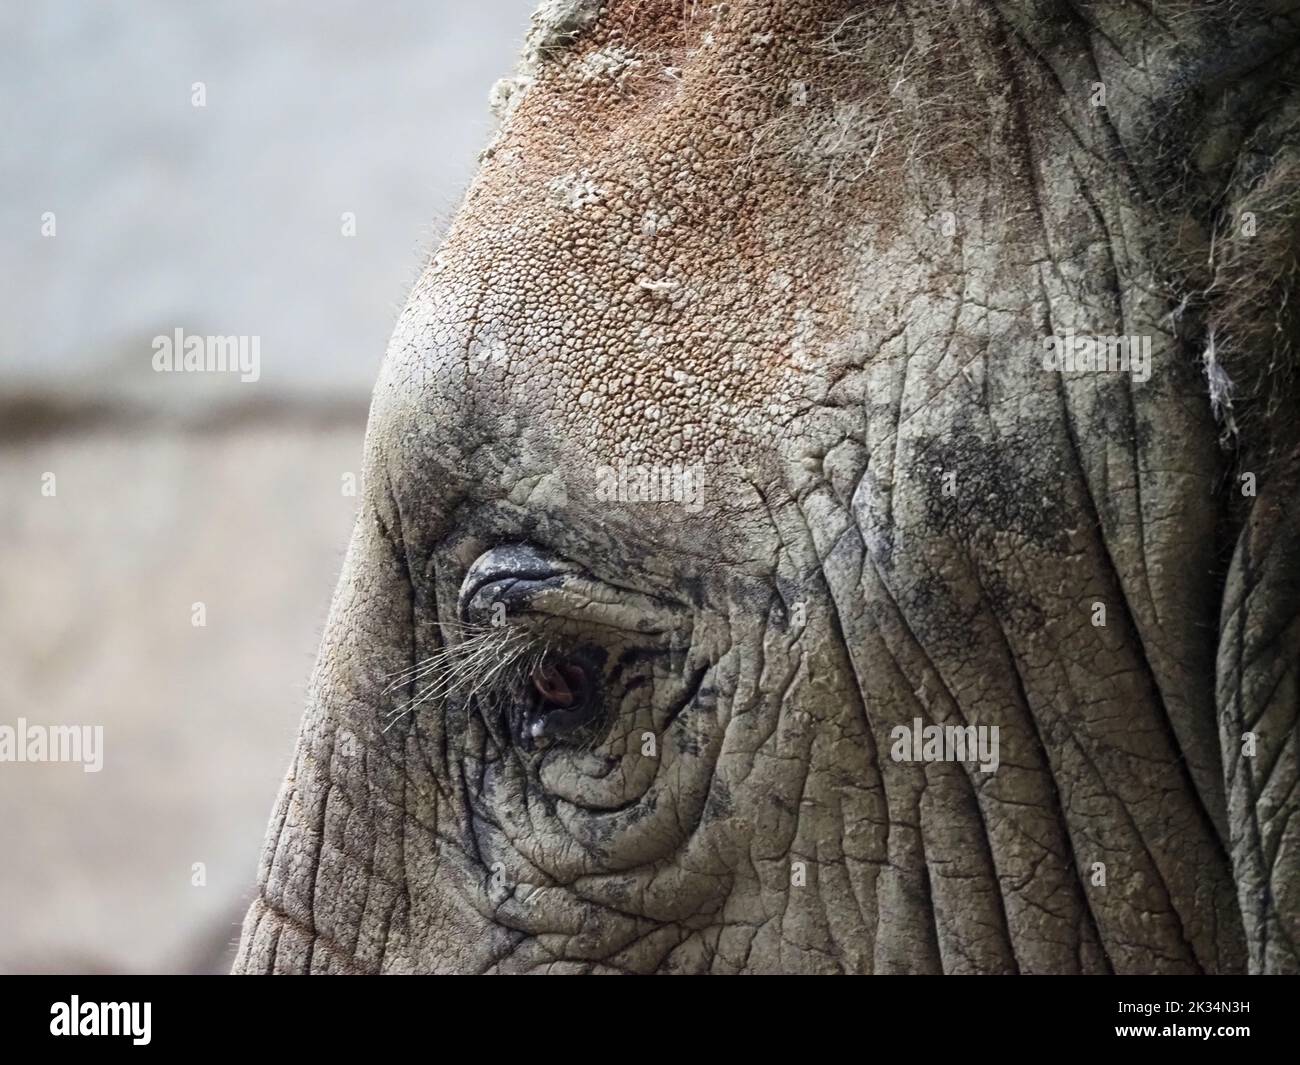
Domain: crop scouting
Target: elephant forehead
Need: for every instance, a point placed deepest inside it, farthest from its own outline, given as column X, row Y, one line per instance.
column 705, row 355
column 638, row 257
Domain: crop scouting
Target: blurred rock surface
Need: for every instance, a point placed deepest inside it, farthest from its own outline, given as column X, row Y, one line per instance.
column 98, row 585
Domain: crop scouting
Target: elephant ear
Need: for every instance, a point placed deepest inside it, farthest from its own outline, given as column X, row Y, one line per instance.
column 1258, row 694
column 1251, row 362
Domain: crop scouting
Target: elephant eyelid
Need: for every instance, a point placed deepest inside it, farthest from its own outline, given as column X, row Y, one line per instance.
column 588, row 602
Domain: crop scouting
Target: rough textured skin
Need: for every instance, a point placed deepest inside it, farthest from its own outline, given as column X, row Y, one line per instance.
column 813, row 248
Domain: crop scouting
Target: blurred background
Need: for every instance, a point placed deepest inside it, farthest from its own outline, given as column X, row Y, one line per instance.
column 255, row 168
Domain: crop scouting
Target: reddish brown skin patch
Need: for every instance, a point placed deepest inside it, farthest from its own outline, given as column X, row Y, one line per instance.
column 672, row 340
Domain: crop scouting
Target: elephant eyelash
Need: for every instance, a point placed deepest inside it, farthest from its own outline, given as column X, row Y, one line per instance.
column 475, row 661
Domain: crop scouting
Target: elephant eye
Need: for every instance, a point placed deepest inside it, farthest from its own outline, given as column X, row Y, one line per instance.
column 548, row 654
column 561, row 683
column 560, row 702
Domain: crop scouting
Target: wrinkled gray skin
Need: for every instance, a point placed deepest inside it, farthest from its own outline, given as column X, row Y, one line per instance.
column 811, row 250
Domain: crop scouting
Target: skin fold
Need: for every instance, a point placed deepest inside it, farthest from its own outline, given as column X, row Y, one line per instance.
column 805, row 254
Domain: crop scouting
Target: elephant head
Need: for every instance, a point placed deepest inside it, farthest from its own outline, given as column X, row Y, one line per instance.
column 829, row 507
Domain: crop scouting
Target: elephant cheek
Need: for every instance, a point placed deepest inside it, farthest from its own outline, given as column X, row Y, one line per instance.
column 356, row 820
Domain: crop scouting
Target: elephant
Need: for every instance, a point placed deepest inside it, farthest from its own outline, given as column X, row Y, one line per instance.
column 830, row 506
